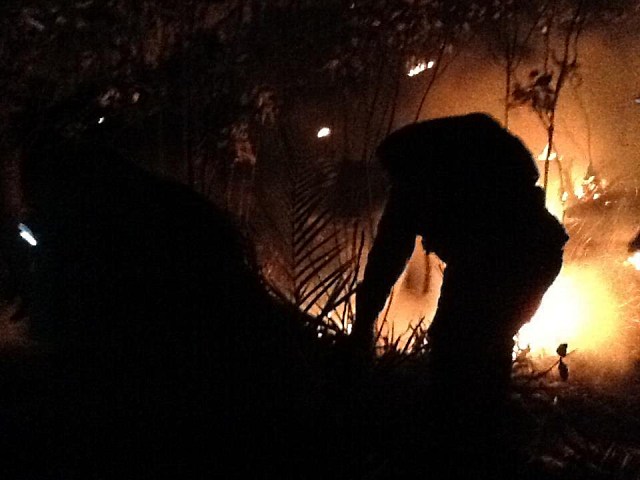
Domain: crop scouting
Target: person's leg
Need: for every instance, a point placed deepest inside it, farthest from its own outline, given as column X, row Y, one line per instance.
column 470, row 359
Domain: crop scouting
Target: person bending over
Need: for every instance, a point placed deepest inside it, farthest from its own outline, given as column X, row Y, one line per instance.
column 468, row 187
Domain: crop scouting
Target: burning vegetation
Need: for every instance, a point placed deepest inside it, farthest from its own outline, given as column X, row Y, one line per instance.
column 592, row 306
column 272, row 111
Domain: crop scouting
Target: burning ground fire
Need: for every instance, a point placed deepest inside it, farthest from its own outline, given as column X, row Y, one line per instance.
column 590, row 307
column 579, row 309
column 593, row 307
column 594, row 304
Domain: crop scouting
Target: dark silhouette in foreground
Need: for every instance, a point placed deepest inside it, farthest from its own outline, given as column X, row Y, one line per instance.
column 467, row 187
column 158, row 352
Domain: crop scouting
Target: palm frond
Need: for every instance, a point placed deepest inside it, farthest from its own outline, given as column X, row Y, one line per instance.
column 315, row 256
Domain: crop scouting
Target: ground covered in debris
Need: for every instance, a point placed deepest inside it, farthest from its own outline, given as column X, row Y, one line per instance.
column 369, row 422
column 580, row 428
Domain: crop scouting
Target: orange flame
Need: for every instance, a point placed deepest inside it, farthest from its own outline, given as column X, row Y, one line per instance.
column 578, row 309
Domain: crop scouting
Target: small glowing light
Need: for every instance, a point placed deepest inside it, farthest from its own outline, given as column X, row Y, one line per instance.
column 419, row 68
column 27, row 234
column 565, row 196
column 349, row 327
column 324, row 132
column 589, row 189
column 543, row 155
column 101, row 120
column 634, row 261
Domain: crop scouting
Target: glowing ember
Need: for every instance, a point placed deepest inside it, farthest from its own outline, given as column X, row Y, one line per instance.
column 324, row 132
column 590, row 188
column 578, row 309
column 634, row 261
column 419, row 68
column 543, row 155
column 584, row 187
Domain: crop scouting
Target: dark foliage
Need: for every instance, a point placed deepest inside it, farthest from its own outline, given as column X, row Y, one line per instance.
column 158, row 350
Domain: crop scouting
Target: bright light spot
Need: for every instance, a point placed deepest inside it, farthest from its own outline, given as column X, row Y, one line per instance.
column 634, row 261
column 324, row 132
column 543, row 155
column 419, row 68
column 101, row 120
column 27, row 234
column 587, row 188
column 578, row 309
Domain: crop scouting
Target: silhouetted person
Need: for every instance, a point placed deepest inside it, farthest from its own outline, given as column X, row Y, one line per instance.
column 467, row 187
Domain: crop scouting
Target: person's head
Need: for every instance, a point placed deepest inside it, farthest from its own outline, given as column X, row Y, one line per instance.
column 471, row 152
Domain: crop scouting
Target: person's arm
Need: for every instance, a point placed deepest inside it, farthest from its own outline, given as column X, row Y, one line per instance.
column 387, row 259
